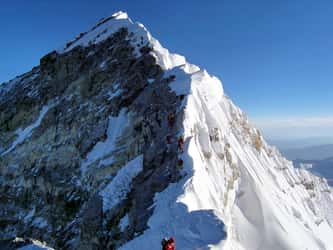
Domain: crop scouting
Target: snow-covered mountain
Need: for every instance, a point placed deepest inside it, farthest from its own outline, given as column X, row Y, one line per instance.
column 322, row 168
column 91, row 156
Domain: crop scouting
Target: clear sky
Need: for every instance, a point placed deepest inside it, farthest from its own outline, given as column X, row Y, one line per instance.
column 275, row 58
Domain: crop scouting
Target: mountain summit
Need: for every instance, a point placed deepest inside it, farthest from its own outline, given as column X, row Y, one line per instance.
column 113, row 142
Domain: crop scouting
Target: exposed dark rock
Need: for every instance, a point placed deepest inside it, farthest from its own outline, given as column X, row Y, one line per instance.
column 44, row 193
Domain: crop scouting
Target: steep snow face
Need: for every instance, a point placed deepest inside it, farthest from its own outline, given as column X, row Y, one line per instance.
column 139, row 37
column 105, row 148
column 237, row 191
column 117, row 190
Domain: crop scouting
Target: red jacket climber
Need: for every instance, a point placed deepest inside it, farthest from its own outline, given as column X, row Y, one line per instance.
column 169, row 139
column 181, row 144
column 171, row 120
column 168, row 244
column 180, row 163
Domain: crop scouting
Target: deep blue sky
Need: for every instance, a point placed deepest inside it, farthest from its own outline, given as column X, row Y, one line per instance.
column 275, row 58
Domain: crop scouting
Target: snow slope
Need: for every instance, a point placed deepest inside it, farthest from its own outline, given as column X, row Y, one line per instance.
column 35, row 246
column 257, row 194
column 104, row 148
column 117, row 190
column 238, row 192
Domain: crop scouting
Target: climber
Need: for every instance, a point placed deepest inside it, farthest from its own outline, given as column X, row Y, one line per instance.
column 158, row 118
column 171, row 119
column 181, row 144
column 180, row 163
column 164, row 242
column 169, row 141
column 172, row 77
column 168, row 244
column 146, row 131
column 181, row 97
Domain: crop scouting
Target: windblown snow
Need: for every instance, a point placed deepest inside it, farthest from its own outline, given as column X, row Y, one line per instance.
column 238, row 193
column 102, row 149
column 119, row 187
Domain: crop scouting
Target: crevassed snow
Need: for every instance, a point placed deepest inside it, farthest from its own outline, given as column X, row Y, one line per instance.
column 103, row 148
column 118, row 188
column 23, row 134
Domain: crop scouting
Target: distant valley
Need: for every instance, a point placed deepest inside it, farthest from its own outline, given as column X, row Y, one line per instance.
column 318, row 152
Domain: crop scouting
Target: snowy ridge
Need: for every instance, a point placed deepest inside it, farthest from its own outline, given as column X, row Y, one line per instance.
column 106, row 27
column 238, row 193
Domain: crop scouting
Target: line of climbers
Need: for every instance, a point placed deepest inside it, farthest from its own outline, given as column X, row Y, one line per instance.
column 170, row 244
column 149, row 131
column 180, row 147
column 170, row 141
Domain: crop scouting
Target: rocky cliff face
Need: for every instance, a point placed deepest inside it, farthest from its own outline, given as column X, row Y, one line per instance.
column 54, row 118
column 89, row 155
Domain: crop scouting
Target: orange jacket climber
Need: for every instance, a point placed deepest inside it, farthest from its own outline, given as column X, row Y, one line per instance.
column 180, row 163
column 168, row 244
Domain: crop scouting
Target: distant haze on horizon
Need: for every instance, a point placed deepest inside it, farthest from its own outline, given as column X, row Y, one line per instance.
column 274, row 57
column 304, row 130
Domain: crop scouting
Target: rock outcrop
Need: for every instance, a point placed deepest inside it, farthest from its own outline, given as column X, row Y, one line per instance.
column 49, row 187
